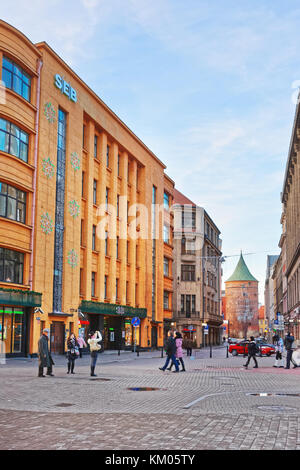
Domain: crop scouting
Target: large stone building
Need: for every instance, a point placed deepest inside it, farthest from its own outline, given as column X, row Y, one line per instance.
column 81, row 238
column 270, row 308
column 290, row 239
column 197, row 273
column 241, row 291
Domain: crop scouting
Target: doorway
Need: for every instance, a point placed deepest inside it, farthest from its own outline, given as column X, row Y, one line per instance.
column 57, row 337
column 154, row 337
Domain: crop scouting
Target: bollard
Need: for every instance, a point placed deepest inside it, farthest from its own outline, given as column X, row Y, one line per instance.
column 119, row 352
column 227, row 352
column 162, row 351
column 138, row 351
column 210, row 353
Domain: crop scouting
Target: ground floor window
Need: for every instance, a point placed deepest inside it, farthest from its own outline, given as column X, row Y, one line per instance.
column 11, row 328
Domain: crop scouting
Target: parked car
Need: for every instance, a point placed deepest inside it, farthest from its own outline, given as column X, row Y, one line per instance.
column 241, row 347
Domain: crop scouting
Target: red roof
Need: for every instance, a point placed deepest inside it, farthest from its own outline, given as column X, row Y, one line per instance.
column 181, row 199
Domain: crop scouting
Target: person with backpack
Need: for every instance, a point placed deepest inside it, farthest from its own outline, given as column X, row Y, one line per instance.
column 252, row 350
column 93, row 341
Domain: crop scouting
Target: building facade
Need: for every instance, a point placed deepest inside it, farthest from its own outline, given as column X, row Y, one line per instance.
column 290, row 198
column 197, row 273
column 81, row 232
column 241, row 291
column 270, row 307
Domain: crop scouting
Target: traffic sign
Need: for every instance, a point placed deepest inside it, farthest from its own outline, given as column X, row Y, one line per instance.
column 135, row 322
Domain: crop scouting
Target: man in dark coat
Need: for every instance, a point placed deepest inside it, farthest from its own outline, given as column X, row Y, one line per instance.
column 45, row 359
column 288, row 343
column 171, row 351
column 252, row 350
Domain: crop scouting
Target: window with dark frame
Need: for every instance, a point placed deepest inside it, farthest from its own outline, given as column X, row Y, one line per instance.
column 188, row 272
column 94, row 238
column 12, row 203
column 13, row 140
column 95, row 192
column 95, row 146
column 15, row 78
column 93, row 284
column 166, row 300
column 11, row 266
column 107, row 156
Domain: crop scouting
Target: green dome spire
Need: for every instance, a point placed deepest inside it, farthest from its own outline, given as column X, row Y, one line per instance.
column 241, row 272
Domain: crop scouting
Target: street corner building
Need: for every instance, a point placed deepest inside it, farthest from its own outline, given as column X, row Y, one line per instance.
column 82, row 245
column 241, row 294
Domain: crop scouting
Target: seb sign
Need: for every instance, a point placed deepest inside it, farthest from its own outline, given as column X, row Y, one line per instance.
column 65, row 88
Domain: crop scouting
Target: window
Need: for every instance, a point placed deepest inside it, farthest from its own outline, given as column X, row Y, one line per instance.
column 188, row 304
column 193, row 303
column 81, row 232
column 106, row 243
column 117, row 288
column 15, row 78
column 93, row 283
column 166, row 234
column 94, row 238
column 106, row 198
column 166, row 300
column 188, row 218
column 166, row 201
column 117, row 248
column 127, row 292
column 13, row 140
column 105, row 287
column 166, row 266
column 118, row 165
column 95, row 192
column 182, row 303
column 118, row 205
column 107, row 156
column 82, row 184
column 11, row 266
column 95, row 146
column 12, row 203
column 188, row 272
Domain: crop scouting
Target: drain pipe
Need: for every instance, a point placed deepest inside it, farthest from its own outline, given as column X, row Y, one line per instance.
column 36, row 139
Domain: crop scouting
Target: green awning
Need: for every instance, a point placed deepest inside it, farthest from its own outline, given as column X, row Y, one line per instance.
column 20, row 297
column 89, row 306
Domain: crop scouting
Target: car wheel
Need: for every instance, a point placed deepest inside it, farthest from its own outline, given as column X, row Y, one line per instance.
column 268, row 354
column 234, row 353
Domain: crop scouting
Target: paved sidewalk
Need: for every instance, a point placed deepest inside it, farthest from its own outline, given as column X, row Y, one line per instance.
column 215, row 404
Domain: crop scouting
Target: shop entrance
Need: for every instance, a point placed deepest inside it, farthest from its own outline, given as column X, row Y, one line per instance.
column 57, row 337
column 154, row 337
column 113, row 333
column 13, row 322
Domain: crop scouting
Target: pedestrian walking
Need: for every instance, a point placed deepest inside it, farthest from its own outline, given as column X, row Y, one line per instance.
column 72, row 352
column 171, row 351
column 278, row 343
column 252, row 350
column 189, row 347
column 288, row 344
column 93, row 341
column 45, row 358
column 81, row 344
column 179, row 351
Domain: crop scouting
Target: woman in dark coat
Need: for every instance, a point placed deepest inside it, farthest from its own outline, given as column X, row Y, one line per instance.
column 72, row 353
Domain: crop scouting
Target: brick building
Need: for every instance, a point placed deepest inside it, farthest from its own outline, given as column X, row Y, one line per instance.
column 81, row 238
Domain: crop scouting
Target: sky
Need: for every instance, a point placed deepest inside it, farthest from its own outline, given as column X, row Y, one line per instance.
column 208, row 86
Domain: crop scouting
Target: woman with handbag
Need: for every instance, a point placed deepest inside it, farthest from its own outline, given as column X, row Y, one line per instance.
column 72, row 353
column 93, row 341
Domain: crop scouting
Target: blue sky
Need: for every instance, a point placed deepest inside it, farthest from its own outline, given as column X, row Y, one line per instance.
column 207, row 86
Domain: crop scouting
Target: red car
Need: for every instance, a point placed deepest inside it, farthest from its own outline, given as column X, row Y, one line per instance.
column 242, row 348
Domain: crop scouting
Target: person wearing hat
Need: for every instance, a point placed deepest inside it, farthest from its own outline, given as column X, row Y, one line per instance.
column 45, row 359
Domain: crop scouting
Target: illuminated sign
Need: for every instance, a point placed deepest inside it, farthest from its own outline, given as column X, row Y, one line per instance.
column 65, row 88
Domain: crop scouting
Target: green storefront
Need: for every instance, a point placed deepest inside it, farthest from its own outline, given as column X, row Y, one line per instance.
column 16, row 314
column 114, row 323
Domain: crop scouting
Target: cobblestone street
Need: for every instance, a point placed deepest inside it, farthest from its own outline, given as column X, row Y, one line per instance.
column 215, row 404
